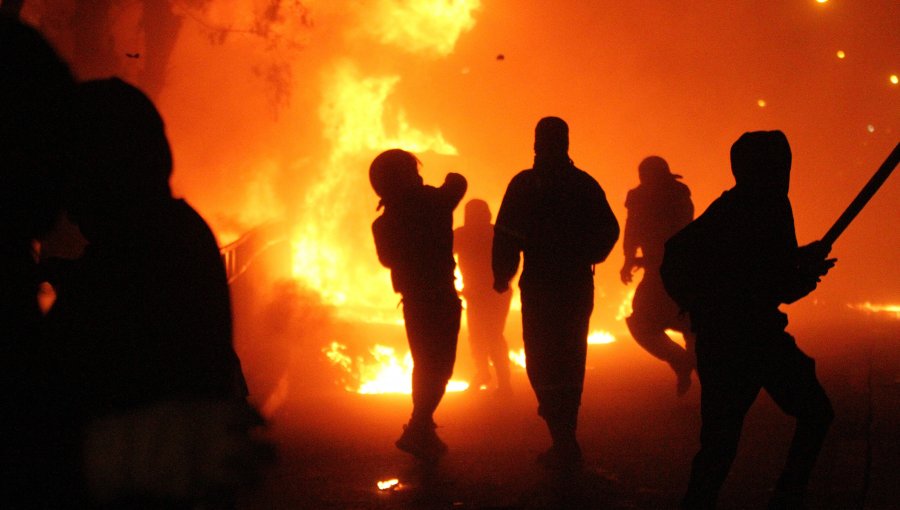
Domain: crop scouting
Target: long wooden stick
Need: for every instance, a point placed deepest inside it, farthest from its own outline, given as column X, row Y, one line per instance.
column 863, row 197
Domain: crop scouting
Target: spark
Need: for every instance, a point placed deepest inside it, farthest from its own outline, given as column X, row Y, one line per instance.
column 870, row 128
column 841, row 54
column 384, row 485
column 895, row 79
column 761, row 103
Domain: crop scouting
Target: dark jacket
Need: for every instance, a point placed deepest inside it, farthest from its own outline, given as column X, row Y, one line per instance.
column 559, row 218
column 414, row 238
column 736, row 263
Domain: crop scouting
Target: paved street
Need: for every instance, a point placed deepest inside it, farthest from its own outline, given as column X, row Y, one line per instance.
column 638, row 439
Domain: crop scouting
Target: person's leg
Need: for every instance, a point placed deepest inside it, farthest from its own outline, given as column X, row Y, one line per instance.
column 498, row 350
column 793, row 385
column 726, row 394
column 432, row 329
column 555, row 327
column 654, row 312
column 479, row 341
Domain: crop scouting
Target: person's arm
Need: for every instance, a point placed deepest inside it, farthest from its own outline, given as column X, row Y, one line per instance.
column 509, row 240
column 629, row 244
column 607, row 231
column 454, row 188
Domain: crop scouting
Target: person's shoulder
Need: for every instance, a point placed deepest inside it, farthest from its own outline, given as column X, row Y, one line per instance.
column 586, row 182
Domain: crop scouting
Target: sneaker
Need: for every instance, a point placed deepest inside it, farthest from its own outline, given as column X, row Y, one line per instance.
column 421, row 442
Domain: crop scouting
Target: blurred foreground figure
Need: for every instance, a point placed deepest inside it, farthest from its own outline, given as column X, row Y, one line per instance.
column 414, row 239
column 486, row 310
column 731, row 269
column 142, row 321
column 558, row 217
column 39, row 448
column 658, row 208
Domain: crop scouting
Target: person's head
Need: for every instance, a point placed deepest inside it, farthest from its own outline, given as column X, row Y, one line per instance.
column 551, row 138
column 654, row 169
column 477, row 212
column 123, row 154
column 34, row 92
column 761, row 161
column 393, row 173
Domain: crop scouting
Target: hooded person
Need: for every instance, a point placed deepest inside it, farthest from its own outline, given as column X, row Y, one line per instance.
column 556, row 217
column 414, row 239
column 730, row 270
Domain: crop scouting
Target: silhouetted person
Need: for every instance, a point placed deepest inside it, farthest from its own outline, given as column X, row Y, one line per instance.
column 142, row 321
column 558, row 217
column 414, row 239
column 38, row 448
column 658, row 208
column 731, row 269
column 486, row 310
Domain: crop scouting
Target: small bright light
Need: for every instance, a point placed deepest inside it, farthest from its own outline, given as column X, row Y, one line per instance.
column 841, row 54
column 821, row 1
column 895, row 79
column 870, row 128
column 761, row 103
column 601, row 337
column 388, row 484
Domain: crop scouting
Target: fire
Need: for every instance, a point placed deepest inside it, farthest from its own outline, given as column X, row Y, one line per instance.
column 424, row 26
column 359, row 119
column 870, row 307
column 384, row 372
column 392, row 484
column 597, row 337
column 518, row 357
column 600, row 338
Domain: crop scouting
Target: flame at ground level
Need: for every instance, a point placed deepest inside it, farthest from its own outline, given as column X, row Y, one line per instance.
column 383, row 371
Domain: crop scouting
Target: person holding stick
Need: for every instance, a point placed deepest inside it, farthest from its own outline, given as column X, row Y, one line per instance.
column 730, row 269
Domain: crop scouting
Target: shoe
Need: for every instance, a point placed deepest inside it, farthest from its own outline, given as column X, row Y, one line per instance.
column 562, row 457
column 421, row 442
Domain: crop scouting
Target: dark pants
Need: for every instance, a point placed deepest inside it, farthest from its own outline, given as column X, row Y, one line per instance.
column 432, row 328
column 730, row 379
column 555, row 329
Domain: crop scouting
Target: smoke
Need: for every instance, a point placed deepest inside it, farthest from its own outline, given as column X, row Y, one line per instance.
column 275, row 108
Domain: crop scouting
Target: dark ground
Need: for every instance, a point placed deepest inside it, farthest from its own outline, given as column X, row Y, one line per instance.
column 638, row 439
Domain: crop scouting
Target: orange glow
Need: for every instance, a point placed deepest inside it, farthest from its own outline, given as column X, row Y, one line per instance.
column 391, row 484
column 275, row 110
column 426, row 26
column 600, row 338
column 625, row 309
column 893, row 309
column 383, row 372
